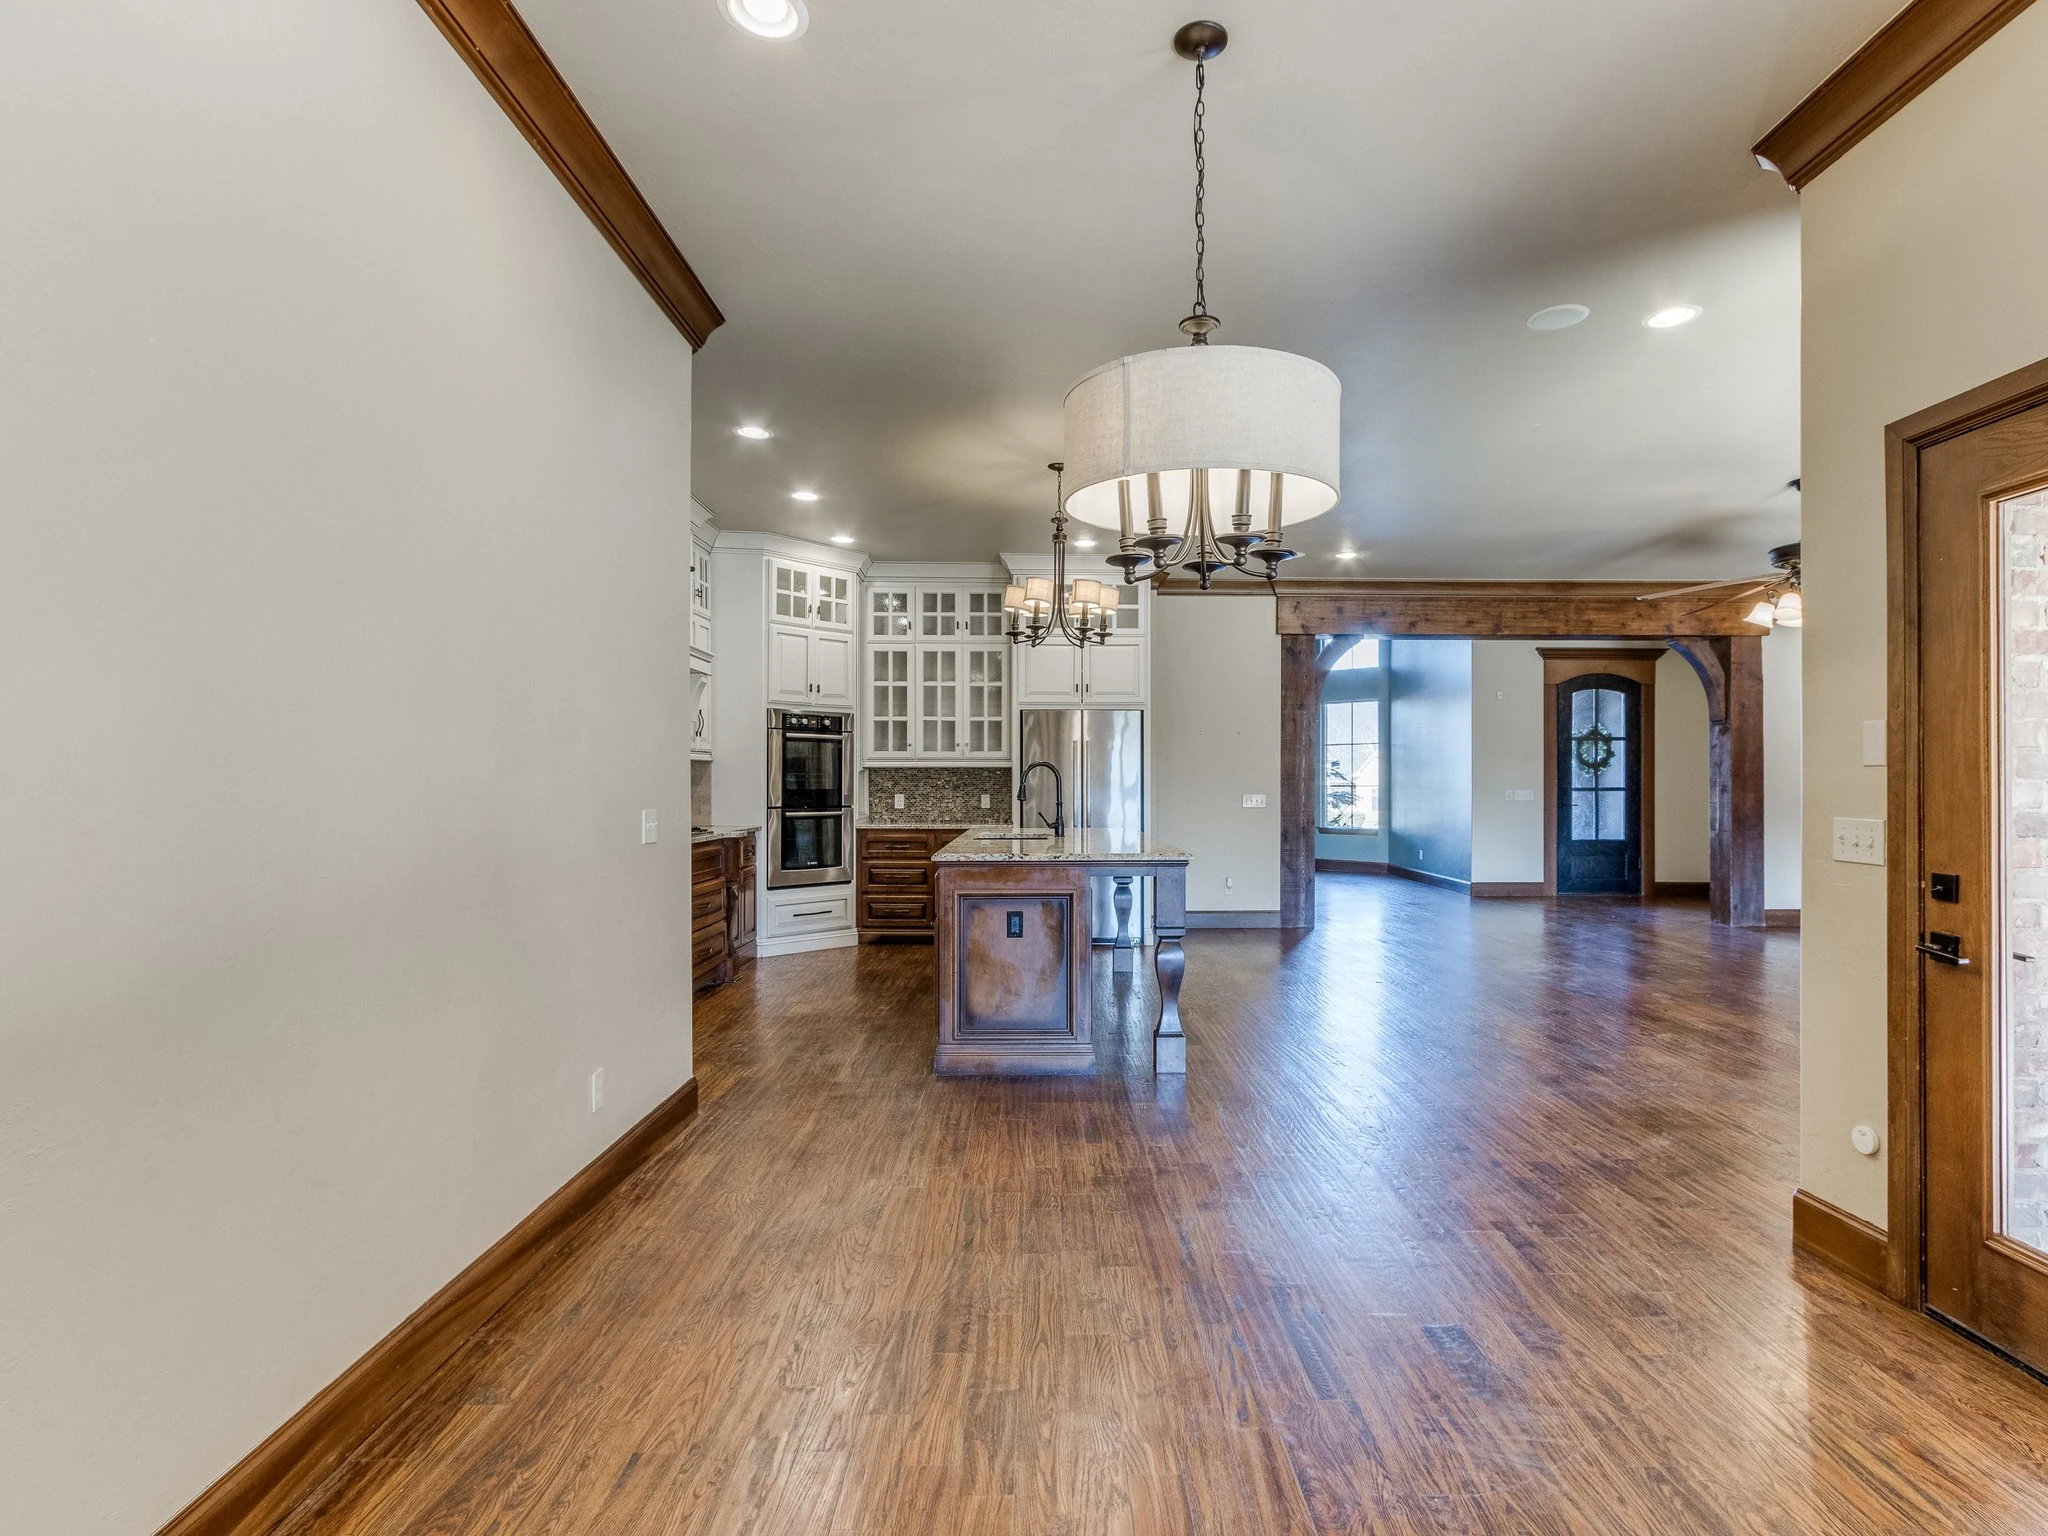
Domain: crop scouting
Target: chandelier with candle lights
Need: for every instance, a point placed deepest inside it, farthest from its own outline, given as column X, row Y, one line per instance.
column 1081, row 613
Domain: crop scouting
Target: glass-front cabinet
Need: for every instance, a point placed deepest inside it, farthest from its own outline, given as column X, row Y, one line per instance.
column 938, row 671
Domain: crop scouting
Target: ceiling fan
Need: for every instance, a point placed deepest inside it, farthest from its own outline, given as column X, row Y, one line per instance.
column 1779, row 604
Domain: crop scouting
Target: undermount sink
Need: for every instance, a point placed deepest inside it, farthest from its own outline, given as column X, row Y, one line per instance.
column 1006, row 837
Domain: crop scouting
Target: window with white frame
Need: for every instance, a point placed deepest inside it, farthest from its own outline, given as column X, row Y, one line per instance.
column 1353, row 695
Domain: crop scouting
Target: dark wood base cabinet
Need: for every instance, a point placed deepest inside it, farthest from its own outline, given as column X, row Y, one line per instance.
column 895, row 890
column 722, row 908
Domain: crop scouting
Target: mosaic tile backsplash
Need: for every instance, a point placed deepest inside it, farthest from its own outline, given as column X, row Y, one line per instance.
column 946, row 796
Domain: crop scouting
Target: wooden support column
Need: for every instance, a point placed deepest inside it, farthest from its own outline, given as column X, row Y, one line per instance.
column 1301, row 687
column 1732, row 669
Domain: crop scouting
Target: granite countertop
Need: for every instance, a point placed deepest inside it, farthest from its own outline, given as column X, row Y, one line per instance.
column 719, row 834
column 1081, row 845
column 870, row 824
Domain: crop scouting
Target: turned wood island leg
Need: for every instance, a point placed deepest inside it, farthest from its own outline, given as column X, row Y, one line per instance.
column 1169, row 1044
column 1126, row 946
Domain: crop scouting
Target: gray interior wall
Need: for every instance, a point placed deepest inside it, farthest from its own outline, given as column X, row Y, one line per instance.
column 344, row 552
column 1429, row 720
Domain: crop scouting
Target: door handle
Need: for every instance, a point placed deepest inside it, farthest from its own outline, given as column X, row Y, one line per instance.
column 1944, row 947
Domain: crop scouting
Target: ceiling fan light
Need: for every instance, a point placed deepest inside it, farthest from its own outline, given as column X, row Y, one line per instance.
column 1763, row 613
column 1790, row 612
column 1221, row 409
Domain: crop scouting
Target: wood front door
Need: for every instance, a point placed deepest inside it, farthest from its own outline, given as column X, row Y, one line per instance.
column 1982, row 861
column 1599, row 777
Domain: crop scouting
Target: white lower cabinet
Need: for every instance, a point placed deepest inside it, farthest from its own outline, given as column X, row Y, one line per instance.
column 804, row 918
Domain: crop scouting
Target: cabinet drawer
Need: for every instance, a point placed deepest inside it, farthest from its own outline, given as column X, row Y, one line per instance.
column 899, row 877
column 895, row 845
column 824, row 910
column 896, row 912
column 707, row 861
column 707, row 947
column 707, row 902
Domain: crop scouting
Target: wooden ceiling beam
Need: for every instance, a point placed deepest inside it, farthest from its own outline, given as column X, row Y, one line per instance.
column 1494, row 610
column 494, row 41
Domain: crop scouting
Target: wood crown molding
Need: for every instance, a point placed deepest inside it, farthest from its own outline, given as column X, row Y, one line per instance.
column 1839, row 1240
column 494, row 41
column 1912, row 51
column 1505, row 610
column 259, row 1490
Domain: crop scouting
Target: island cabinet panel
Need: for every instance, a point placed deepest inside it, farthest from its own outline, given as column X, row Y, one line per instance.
column 894, row 880
column 1013, row 970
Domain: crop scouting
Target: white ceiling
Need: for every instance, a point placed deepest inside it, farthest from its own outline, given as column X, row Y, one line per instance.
column 925, row 218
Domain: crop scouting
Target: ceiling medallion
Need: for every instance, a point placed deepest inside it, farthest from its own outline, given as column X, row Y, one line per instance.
column 1201, row 433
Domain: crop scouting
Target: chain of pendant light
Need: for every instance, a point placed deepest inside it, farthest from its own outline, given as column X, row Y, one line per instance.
column 1201, row 338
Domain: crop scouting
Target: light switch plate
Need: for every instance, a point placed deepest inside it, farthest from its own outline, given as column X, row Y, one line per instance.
column 647, row 829
column 1255, row 802
column 1859, row 840
column 1525, row 794
column 1873, row 743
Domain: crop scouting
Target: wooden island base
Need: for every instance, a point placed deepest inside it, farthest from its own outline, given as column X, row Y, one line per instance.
column 1014, row 951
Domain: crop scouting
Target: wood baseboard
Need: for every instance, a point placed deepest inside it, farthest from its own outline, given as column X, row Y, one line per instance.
column 1839, row 1240
column 1681, row 890
column 1507, row 890
column 1781, row 917
column 1350, row 867
column 1424, row 877
column 1221, row 919
column 261, row 1488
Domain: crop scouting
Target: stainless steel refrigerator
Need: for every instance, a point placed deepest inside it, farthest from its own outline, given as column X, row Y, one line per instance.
column 1100, row 754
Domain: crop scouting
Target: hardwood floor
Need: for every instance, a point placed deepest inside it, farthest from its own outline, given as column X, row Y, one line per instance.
column 1468, row 1217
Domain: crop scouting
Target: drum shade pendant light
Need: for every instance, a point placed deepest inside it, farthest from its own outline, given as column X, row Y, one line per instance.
column 1168, row 447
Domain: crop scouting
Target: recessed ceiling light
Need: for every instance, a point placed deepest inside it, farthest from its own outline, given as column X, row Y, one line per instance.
column 756, row 433
column 1677, row 314
column 803, row 495
column 1084, row 543
column 1347, row 554
column 1558, row 317
column 779, row 19
column 842, row 538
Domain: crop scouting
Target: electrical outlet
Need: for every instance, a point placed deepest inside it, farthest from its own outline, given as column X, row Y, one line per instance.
column 897, row 801
column 646, row 827
column 1873, row 743
column 1255, row 802
column 984, row 802
column 1859, row 840
column 597, row 1090
column 1230, row 882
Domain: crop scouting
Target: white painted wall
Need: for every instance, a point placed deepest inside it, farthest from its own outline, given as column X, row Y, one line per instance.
column 1507, row 754
column 343, row 637
column 1215, row 736
column 1922, row 263
column 1508, row 700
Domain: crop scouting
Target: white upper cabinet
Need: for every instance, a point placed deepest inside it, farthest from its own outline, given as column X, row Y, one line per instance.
column 832, row 668
column 887, row 702
column 814, row 596
column 889, row 613
column 809, row 667
column 937, row 678
column 789, row 592
column 1056, row 673
column 700, row 599
column 1048, row 674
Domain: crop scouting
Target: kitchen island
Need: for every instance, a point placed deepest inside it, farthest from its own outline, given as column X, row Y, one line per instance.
column 1013, row 947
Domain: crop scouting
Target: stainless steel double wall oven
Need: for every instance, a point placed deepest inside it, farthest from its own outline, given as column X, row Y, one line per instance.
column 810, row 798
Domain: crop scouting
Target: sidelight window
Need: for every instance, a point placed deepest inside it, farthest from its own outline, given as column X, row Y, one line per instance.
column 1351, row 765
